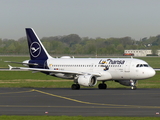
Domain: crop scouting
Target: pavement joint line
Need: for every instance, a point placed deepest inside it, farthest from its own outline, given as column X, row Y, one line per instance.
column 16, row 92
column 101, row 104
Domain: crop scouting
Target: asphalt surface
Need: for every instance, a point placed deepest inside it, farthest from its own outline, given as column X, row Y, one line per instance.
column 84, row 102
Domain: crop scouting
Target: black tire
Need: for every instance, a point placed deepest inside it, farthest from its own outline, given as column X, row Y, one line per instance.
column 102, row 86
column 75, row 87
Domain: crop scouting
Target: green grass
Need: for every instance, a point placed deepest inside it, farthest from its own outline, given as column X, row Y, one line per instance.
column 11, row 58
column 40, row 80
column 29, row 79
column 73, row 118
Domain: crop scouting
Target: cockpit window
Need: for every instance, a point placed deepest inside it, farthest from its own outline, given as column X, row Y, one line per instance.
column 145, row 65
column 142, row 65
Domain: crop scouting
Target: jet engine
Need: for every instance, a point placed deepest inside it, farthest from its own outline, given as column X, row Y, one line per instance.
column 126, row 82
column 87, row 80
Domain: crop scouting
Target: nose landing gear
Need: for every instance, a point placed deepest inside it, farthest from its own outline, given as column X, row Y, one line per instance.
column 133, row 87
column 133, row 84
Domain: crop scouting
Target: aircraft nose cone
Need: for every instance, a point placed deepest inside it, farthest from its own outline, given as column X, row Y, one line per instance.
column 151, row 73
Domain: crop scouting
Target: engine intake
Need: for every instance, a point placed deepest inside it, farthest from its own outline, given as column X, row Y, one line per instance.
column 87, row 80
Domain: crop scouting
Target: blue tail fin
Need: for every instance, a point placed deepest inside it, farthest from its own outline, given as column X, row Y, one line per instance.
column 36, row 48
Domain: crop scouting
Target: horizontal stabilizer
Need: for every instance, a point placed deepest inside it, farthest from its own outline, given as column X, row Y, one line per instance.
column 21, row 63
column 10, row 67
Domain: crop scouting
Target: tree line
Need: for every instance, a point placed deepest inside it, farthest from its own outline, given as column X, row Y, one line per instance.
column 73, row 44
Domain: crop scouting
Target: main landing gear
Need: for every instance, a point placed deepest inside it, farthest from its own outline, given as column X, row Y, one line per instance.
column 75, row 86
column 102, row 85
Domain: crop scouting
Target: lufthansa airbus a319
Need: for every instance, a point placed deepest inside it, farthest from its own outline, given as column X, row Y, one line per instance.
column 85, row 71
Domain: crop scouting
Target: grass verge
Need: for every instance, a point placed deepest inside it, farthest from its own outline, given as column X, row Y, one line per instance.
column 40, row 80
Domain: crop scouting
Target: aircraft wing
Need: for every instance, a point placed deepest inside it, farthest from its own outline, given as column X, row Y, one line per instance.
column 157, row 69
column 54, row 71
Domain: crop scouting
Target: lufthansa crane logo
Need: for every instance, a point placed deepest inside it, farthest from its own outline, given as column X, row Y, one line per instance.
column 35, row 49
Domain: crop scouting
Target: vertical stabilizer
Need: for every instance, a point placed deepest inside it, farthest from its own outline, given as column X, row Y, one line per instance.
column 36, row 48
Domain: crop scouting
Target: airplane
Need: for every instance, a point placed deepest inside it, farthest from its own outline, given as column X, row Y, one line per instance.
column 84, row 71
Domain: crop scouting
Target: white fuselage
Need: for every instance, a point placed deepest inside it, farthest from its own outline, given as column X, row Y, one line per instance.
column 107, row 68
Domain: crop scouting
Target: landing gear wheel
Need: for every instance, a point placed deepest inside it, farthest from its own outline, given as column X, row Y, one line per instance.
column 133, row 87
column 75, row 87
column 102, row 86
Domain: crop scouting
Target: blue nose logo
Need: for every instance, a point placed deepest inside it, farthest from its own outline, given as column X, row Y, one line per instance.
column 35, row 49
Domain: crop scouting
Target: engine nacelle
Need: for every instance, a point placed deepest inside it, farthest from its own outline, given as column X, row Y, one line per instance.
column 87, row 80
column 126, row 82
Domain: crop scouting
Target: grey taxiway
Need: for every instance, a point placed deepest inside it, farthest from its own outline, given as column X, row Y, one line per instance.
column 84, row 102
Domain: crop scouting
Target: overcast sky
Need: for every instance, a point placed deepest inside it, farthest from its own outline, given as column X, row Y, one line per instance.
column 87, row 18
